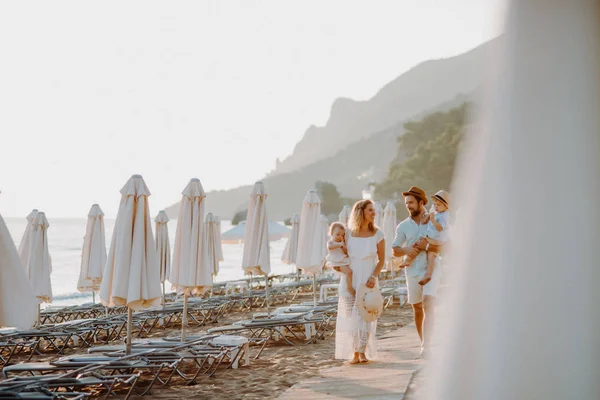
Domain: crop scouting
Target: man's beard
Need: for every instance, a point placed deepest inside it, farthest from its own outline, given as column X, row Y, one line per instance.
column 414, row 213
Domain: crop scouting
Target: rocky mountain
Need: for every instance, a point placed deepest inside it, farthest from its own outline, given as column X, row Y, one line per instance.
column 359, row 141
column 422, row 87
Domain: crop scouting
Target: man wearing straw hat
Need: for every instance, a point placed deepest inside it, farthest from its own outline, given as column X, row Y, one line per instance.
column 421, row 293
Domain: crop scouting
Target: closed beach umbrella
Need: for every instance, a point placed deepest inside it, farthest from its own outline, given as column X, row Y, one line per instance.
column 212, row 244
column 389, row 230
column 324, row 234
column 378, row 214
column 219, row 242
column 190, row 272
column 163, row 248
column 93, row 254
column 39, row 267
column 310, row 256
column 344, row 215
column 505, row 334
column 256, row 258
column 25, row 244
column 131, row 276
column 310, row 242
column 291, row 248
column 18, row 303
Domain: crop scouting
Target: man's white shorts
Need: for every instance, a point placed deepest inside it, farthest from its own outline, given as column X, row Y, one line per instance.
column 416, row 291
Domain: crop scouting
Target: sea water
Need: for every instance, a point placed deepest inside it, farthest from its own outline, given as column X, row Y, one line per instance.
column 65, row 242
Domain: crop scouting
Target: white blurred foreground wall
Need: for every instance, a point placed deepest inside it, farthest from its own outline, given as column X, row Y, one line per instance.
column 522, row 317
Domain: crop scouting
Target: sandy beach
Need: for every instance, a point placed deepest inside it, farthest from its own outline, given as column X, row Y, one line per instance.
column 279, row 366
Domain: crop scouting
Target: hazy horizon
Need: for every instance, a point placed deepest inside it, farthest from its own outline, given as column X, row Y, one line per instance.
column 213, row 90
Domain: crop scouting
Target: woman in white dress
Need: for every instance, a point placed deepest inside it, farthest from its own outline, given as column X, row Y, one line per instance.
column 355, row 338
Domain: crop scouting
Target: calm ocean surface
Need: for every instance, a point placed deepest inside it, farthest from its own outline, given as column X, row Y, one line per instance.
column 65, row 240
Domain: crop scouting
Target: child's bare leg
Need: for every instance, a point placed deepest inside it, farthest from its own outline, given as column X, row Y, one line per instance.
column 348, row 272
column 431, row 261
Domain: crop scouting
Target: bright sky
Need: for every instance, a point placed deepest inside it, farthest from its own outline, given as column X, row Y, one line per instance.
column 92, row 92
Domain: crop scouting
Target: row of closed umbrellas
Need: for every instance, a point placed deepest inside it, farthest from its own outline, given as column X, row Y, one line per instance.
column 137, row 261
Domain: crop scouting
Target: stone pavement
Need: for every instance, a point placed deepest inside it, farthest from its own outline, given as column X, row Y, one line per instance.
column 386, row 378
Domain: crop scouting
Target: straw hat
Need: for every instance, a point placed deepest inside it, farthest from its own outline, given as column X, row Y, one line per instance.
column 442, row 196
column 417, row 192
column 369, row 302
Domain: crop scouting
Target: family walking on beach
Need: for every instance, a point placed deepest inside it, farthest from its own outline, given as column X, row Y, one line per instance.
column 358, row 252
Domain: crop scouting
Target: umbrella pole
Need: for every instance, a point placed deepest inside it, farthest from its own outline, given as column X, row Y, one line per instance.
column 93, row 297
column 129, row 333
column 38, row 323
column 164, row 300
column 267, row 291
column 315, row 289
column 184, row 318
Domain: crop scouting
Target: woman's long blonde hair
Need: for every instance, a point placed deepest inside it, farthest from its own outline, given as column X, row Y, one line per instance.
column 358, row 215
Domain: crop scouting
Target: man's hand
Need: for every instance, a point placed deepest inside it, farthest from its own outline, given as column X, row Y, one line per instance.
column 411, row 251
column 426, row 279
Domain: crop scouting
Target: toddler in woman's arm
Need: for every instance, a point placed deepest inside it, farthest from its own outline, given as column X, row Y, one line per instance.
column 337, row 254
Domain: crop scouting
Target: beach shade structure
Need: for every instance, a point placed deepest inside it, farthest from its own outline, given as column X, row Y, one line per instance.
column 378, row 214
column 291, row 247
column 25, row 244
column 163, row 248
column 389, row 230
column 344, row 215
column 219, row 240
column 18, row 303
column 237, row 234
column 310, row 256
column 39, row 266
column 131, row 276
column 256, row 259
column 212, row 244
column 190, row 272
column 324, row 234
column 503, row 333
column 93, row 253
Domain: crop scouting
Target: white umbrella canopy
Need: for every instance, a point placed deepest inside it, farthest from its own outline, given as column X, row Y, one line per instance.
column 219, row 241
column 378, row 214
column 163, row 247
column 344, row 215
column 324, row 234
column 39, row 267
column 25, row 244
column 190, row 272
column 18, row 303
column 256, row 257
column 212, row 244
column 504, row 334
column 93, row 254
column 310, row 241
column 237, row 234
column 291, row 248
column 389, row 229
column 131, row 275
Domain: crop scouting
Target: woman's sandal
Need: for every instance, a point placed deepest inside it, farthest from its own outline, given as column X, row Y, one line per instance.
column 363, row 359
column 354, row 361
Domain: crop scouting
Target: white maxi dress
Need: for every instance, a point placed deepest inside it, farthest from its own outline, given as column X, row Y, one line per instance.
column 353, row 334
